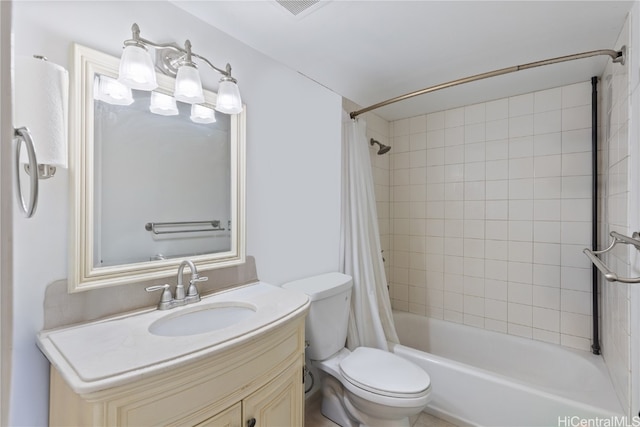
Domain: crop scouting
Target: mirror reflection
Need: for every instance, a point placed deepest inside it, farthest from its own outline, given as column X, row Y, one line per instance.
column 162, row 181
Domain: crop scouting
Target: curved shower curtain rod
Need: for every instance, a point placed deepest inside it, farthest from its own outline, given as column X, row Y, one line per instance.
column 617, row 56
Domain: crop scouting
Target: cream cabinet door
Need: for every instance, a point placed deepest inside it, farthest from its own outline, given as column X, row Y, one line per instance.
column 231, row 417
column 278, row 404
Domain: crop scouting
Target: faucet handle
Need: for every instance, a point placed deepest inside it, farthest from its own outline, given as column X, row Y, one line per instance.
column 166, row 293
column 198, row 279
column 193, row 291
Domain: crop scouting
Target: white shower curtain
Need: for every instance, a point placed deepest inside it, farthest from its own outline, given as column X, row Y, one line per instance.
column 370, row 320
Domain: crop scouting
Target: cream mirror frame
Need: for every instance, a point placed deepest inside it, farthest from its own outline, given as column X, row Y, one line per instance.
column 83, row 274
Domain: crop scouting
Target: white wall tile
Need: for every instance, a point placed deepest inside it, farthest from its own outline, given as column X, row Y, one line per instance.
column 520, row 314
column 497, row 190
column 521, row 147
column 496, row 209
column 521, row 188
column 474, row 171
column 435, row 138
column 546, row 297
column 576, row 164
column 497, row 169
column 435, row 121
column 498, row 109
column 474, row 133
column 418, row 141
column 453, row 136
column 475, row 113
column 495, row 309
column 548, row 166
column 497, row 230
column 453, row 118
column 547, row 122
column 576, row 141
column 520, row 251
column 497, row 130
column 521, row 105
column 474, row 152
column 546, row 231
column 496, row 249
column 547, row 144
column 578, row 233
column 521, row 210
column 521, row 231
column 418, row 124
column 497, row 149
column 578, row 94
column 547, row 187
column 520, row 272
column 547, row 100
column 546, row 275
column 454, row 154
column 521, row 126
column 576, row 118
column 546, row 253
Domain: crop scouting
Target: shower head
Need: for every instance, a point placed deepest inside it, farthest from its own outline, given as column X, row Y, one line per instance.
column 383, row 148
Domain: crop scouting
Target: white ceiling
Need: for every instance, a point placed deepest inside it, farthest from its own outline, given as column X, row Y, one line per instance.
column 370, row 51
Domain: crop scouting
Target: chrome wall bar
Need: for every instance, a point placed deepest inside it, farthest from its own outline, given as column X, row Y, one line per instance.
column 606, row 271
column 183, row 227
column 617, row 56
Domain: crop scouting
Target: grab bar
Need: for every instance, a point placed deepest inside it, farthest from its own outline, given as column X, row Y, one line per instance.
column 156, row 227
column 606, row 271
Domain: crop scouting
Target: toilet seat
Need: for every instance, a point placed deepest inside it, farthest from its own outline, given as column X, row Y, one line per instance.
column 383, row 373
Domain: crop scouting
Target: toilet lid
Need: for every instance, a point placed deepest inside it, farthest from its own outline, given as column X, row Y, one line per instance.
column 384, row 373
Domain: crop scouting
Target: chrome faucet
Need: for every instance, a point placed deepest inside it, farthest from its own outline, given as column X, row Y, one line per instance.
column 192, row 292
column 167, row 301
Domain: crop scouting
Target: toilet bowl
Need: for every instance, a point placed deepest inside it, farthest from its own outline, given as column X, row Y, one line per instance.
column 365, row 387
column 372, row 387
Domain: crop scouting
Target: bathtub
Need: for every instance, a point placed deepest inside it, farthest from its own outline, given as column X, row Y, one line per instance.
column 485, row 378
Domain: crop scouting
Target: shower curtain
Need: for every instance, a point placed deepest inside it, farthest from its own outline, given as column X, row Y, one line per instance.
column 370, row 320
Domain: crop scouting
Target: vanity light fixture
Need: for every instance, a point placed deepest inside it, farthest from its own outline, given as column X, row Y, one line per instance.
column 163, row 105
column 202, row 114
column 137, row 72
column 112, row 91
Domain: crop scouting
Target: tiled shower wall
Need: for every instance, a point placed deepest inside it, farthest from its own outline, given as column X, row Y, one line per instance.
column 490, row 208
column 618, row 214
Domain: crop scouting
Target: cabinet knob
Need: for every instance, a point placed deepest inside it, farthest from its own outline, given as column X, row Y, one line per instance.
column 251, row 422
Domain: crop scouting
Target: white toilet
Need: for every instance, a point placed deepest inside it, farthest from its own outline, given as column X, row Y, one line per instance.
column 367, row 387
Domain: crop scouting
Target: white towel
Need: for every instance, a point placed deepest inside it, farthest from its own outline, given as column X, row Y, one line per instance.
column 41, row 100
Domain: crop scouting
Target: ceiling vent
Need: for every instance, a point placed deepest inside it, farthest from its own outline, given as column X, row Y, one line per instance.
column 296, row 7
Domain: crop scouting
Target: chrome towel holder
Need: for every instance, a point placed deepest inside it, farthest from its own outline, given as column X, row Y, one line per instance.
column 606, row 271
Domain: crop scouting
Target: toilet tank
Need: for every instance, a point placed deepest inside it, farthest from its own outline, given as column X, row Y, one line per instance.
column 326, row 324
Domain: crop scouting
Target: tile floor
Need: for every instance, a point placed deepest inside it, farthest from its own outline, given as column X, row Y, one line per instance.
column 313, row 417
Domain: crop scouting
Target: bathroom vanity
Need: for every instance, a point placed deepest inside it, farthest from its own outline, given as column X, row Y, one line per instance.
column 242, row 373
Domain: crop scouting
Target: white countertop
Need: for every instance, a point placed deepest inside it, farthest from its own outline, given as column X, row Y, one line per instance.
column 111, row 352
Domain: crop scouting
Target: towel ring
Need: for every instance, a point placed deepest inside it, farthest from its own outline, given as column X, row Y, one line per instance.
column 23, row 135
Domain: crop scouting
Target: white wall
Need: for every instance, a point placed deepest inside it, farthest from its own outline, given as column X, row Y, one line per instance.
column 293, row 164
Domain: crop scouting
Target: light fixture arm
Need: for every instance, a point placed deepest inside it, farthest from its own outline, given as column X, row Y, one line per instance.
column 140, row 41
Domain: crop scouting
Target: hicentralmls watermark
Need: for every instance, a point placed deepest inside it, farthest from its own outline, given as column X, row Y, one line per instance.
column 576, row 421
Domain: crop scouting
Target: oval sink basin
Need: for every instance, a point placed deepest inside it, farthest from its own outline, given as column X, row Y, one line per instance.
column 201, row 320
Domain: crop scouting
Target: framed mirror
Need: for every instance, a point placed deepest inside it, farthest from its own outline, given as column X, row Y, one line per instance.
column 149, row 189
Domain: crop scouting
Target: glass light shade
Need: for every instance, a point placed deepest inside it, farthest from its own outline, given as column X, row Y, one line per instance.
column 112, row 91
column 229, row 101
column 136, row 69
column 162, row 104
column 202, row 114
column 188, row 85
